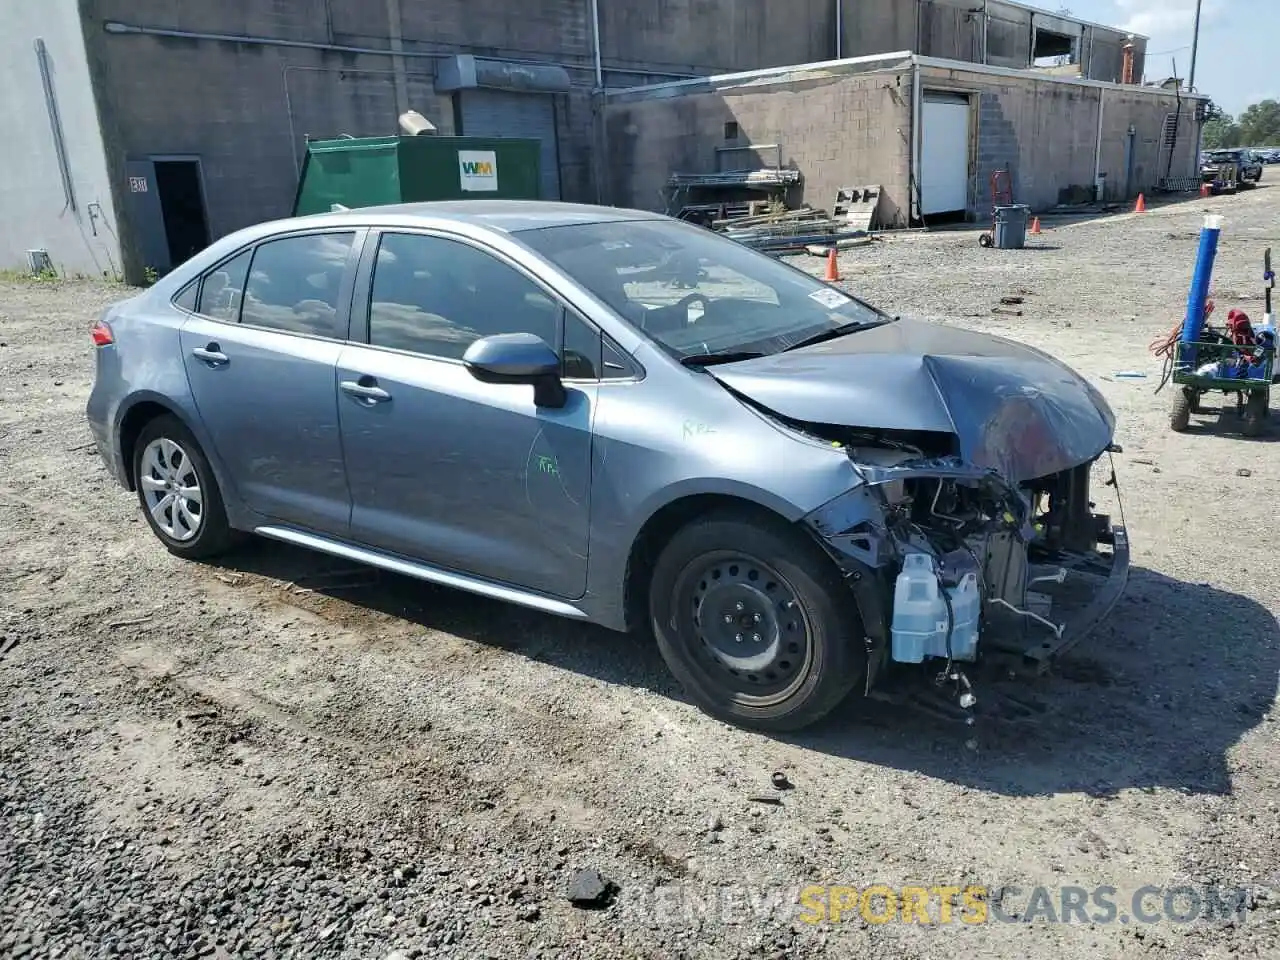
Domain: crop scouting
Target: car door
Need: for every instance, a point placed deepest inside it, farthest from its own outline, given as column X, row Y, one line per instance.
column 260, row 352
column 446, row 469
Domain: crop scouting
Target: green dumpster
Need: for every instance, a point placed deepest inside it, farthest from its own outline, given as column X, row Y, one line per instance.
column 366, row 171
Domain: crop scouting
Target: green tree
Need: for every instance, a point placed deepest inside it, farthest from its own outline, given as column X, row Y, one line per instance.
column 1260, row 124
column 1221, row 131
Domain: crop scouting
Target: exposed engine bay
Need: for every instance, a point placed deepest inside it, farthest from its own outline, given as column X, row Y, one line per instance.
column 951, row 563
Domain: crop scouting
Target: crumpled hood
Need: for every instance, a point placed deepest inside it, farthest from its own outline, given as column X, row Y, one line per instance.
column 1013, row 408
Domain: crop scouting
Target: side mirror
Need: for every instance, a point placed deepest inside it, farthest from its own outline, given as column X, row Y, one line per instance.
column 518, row 358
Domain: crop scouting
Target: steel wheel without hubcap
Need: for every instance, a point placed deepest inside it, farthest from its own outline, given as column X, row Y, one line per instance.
column 171, row 489
column 709, row 587
column 754, row 636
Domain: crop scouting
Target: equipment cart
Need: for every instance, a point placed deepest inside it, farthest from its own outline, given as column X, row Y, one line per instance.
column 1215, row 362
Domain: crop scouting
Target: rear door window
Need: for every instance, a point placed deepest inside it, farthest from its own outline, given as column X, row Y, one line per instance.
column 294, row 283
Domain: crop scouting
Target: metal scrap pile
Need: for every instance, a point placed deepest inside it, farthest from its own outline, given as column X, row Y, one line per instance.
column 786, row 231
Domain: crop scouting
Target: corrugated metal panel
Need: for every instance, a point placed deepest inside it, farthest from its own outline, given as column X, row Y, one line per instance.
column 500, row 113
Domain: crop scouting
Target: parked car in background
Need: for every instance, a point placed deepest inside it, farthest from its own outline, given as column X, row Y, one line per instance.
column 1228, row 169
column 616, row 417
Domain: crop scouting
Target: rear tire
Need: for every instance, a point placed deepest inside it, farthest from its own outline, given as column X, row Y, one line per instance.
column 1255, row 414
column 178, row 491
column 755, row 622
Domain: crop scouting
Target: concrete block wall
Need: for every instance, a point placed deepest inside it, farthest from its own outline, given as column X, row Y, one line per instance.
column 245, row 108
column 34, row 210
column 837, row 131
column 1152, row 160
column 997, row 149
column 1046, row 132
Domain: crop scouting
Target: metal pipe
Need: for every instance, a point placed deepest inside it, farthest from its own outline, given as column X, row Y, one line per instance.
column 114, row 26
column 1195, row 43
column 913, row 175
column 396, row 42
column 1097, row 148
column 595, row 44
column 1193, row 322
column 55, row 125
column 986, row 30
column 839, row 29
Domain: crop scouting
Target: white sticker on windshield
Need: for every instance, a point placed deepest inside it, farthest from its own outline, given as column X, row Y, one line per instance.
column 829, row 297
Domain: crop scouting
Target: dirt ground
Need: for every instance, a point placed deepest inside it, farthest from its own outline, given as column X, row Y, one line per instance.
column 283, row 756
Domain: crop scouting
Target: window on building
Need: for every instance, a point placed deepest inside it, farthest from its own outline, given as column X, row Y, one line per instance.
column 436, row 297
column 222, row 288
column 294, row 282
column 1053, row 49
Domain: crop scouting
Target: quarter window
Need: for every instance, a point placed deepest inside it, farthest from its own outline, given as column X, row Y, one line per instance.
column 186, row 299
column 222, row 288
column 294, row 282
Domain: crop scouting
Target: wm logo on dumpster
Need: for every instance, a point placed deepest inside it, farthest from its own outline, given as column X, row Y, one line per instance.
column 478, row 170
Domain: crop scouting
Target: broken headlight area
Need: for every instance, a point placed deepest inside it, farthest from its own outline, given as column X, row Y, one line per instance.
column 951, row 564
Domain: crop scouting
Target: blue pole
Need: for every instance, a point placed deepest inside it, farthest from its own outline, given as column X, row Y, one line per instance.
column 1193, row 323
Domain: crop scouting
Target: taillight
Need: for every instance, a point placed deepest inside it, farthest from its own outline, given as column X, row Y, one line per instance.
column 101, row 334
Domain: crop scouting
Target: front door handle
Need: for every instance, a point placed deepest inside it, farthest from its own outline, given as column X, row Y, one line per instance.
column 211, row 354
column 366, row 389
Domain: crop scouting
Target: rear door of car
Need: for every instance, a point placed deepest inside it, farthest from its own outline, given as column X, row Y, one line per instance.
column 466, row 475
column 260, row 348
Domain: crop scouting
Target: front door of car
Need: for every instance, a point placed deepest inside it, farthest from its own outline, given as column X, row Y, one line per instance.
column 260, row 351
column 443, row 468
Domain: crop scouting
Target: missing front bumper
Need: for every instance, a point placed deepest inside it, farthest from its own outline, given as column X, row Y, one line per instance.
column 1089, row 591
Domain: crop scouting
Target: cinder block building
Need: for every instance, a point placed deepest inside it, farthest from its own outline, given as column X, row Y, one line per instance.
column 928, row 132
column 139, row 130
column 926, row 101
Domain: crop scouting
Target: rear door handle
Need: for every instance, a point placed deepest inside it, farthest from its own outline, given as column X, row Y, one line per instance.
column 211, row 354
column 366, row 389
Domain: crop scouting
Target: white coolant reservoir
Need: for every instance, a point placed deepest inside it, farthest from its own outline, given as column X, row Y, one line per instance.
column 917, row 604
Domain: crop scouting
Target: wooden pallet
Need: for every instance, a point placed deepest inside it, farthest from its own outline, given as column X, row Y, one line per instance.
column 857, row 206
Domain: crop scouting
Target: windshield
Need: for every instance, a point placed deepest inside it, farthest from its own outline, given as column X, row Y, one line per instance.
column 1222, row 155
column 695, row 293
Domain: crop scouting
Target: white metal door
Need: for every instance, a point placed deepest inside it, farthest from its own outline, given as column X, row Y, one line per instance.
column 944, row 154
column 503, row 113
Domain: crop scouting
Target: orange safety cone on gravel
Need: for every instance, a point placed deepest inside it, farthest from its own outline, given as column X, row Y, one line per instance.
column 1035, row 226
column 1141, row 205
column 833, row 266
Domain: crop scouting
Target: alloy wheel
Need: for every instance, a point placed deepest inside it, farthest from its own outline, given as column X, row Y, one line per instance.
column 171, row 489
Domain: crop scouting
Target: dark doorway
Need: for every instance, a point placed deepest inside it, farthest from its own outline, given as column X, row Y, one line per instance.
column 186, row 228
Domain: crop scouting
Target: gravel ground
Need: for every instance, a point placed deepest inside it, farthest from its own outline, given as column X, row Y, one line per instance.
column 281, row 756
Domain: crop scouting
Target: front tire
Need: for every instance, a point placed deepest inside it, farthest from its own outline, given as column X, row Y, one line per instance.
column 1180, row 415
column 178, row 492
column 756, row 622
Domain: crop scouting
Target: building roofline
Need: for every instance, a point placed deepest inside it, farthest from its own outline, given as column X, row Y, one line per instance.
column 761, row 74
column 676, row 88
column 983, row 68
column 1070, row 18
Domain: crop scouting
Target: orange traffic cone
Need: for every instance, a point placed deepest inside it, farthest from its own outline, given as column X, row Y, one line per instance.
column 1141, row 205
column 833, row 266
column 1035, row 226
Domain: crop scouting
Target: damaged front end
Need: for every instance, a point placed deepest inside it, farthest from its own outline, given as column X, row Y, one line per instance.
column 952, row 563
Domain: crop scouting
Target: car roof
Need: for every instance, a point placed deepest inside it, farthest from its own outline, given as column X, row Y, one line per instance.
column 507, row 216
